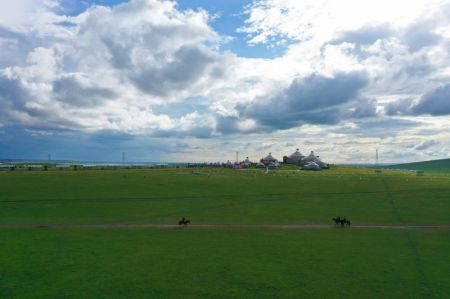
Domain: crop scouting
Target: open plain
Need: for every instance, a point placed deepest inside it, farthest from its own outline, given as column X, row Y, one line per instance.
column 113, row 234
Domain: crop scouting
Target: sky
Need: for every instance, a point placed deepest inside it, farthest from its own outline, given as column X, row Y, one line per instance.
column 199, row 80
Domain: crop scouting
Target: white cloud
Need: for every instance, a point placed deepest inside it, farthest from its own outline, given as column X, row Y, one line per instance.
column 33, row 17
column 321, row 20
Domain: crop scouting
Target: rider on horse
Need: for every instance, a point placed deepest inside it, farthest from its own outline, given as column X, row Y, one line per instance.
column 184, row 221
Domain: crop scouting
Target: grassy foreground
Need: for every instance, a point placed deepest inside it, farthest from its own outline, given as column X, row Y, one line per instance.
column 223, row 263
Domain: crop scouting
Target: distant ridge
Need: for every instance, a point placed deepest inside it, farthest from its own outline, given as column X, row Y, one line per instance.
column 38, row 161
column 442, row 165
column 35, row 161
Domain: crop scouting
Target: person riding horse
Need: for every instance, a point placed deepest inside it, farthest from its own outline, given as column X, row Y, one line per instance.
column 184, row 221
column 342, row 221
column 345, row 221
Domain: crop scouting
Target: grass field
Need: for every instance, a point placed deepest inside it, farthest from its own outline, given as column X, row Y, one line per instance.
column 110, row 262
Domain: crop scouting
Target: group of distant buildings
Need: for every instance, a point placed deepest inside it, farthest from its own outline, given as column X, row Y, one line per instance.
column 310, row 162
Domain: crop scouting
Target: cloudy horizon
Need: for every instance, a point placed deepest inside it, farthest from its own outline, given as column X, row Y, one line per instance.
column 200, row 80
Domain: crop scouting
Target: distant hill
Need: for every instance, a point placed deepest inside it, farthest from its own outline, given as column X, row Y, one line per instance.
column 33, row 161
column 442, row 165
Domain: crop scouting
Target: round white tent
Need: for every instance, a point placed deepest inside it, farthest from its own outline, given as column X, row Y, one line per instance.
column 313, row 158
column 269, row 158
column 294, row 158
column 246, row 162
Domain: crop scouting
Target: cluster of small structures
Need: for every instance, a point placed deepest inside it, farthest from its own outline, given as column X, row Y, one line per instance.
column 310, row 162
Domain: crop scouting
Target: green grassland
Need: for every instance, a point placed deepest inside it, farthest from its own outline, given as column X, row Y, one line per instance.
column 113, row 262
column 442, row 165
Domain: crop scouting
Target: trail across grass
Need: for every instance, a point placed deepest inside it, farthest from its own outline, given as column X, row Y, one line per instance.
column 220, row 226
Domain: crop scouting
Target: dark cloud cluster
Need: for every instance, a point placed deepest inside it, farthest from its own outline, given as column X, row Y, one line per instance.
column 20, row 106
column 227, row 124
column 381, row 127
column 435, row 102
column 102, row 146
column 312, row 100
column 12, row 94
column 365, row 108
column 186, row 68
column 70, row 91
column 15, row 103
column 315, row 99
column 398, row 107
column 426, row 145
column 416, row 36
column 420, row 34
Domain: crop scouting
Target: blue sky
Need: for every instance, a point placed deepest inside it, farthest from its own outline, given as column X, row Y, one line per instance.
column 199, row 80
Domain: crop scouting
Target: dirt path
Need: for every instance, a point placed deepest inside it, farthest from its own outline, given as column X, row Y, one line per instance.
column 219, row 226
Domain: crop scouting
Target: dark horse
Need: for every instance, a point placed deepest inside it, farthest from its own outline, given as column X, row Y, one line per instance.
column 341, row 221
column 184, row 222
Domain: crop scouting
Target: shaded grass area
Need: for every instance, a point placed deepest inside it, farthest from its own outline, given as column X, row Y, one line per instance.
column 442, row 165
column 183, row 263
column 222, row 197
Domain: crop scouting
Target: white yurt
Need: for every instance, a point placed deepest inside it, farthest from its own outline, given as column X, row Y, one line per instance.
column 269, row 158
column 294, row 158
column 246, row 163
column 313, row 158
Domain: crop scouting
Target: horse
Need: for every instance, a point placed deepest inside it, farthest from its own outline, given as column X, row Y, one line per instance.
column 342, row 221
column 337, row 221
column 345, row 222
column 184, row 222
